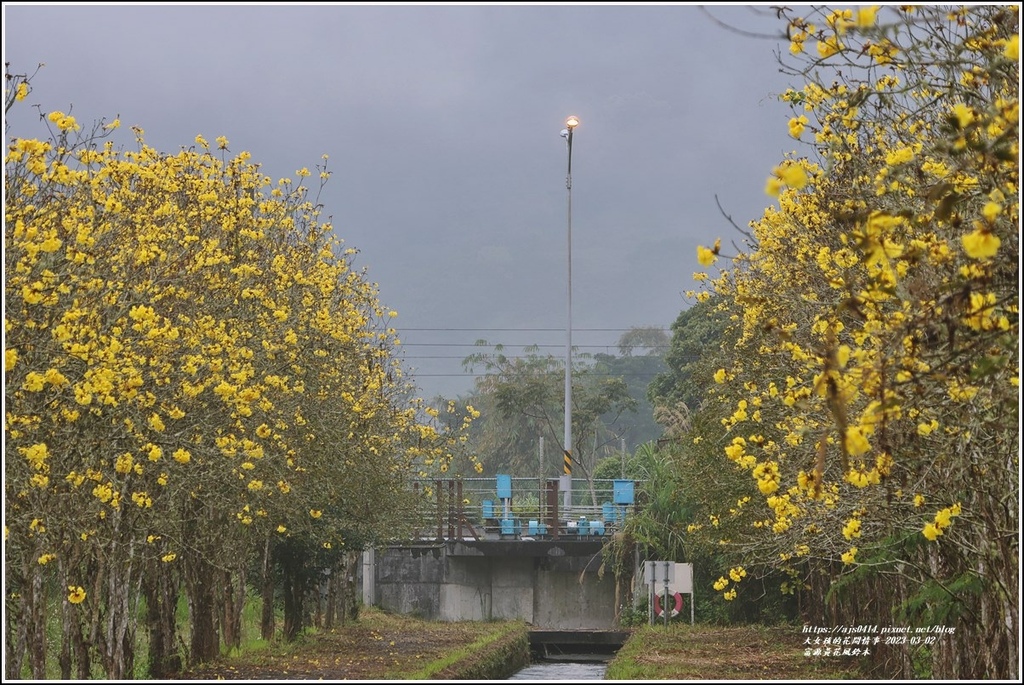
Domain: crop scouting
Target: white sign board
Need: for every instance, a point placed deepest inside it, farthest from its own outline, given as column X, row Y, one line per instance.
column 679, row 576
column 684, row 579
column 659, row 572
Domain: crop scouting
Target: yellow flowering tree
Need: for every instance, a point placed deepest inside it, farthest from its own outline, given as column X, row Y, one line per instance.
column 873, row 399
column 194, row 369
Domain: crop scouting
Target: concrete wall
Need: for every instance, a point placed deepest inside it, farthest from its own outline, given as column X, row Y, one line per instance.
column 562, row 602
column 549, row 585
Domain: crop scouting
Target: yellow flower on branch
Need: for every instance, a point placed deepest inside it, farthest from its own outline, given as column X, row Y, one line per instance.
column 797, row 125
column 964, row 115
column 991, row 210
column 705, row 256
column 981, row 243
column 76, row 594
column 830, row 46
column 855, row 441
column 64, row 122
column 866, row 16
column 852, row 529
column 34, row 381
column 794, row 176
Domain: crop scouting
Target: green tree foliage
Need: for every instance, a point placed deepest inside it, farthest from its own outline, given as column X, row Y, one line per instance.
column 695, row 331
column 650, row 340
column 637, row 371
column 522, row 398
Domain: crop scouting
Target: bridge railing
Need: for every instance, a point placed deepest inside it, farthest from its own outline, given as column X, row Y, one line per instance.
column 520, row 508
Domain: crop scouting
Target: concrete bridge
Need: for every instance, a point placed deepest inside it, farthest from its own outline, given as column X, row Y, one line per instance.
column 490, row 557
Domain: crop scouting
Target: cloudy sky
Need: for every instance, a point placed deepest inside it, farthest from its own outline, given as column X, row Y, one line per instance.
column 442, row 123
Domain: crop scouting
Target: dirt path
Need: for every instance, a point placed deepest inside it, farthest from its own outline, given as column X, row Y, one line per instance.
column 379, row 646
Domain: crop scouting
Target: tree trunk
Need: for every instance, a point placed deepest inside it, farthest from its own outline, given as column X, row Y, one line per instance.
column 74, row 651
column 232, row 603
column 291, row 585
column 332, row 611
column 161, row 593
column 15, row 626
column 317, row 591
column 350, row 599
column 35, row 618
column 267, row 593
column 119, row 637
column 199, row 583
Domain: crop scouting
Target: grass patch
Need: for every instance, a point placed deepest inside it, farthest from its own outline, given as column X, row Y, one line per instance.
column 700, row 652
column 504, row 648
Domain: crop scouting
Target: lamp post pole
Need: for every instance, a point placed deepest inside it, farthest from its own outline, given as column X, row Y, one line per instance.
column 570, row 124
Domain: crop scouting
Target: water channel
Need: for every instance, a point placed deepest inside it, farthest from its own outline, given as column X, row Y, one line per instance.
column 591, row 669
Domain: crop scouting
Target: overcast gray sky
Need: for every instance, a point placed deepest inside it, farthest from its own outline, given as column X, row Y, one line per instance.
column 442, row 127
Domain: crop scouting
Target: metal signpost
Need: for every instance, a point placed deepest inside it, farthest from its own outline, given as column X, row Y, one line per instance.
column 676, row 580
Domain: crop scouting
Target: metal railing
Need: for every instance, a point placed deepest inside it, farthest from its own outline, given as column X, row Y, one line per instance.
column 506, row 508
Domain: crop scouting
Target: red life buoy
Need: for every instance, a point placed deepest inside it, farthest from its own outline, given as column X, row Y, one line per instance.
column 659, row 612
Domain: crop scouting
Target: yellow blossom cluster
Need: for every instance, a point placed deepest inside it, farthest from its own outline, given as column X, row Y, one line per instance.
column 943, row 517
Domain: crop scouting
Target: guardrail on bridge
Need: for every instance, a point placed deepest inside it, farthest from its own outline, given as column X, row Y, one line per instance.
column 507, row 508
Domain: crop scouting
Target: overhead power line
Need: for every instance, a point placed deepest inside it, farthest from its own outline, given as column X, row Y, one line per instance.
column 535, row 330
column 483, row 375
column 603, row 347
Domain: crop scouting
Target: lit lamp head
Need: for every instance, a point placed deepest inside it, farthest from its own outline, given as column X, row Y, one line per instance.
column 570, row 124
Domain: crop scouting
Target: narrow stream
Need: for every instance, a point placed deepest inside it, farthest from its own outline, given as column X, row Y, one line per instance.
column 564, row 670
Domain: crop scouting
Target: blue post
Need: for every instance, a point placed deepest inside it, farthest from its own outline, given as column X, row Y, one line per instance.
column 622, row 491
column 504, row 486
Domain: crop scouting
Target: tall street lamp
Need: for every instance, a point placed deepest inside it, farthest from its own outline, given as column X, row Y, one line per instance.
column 566, row 480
